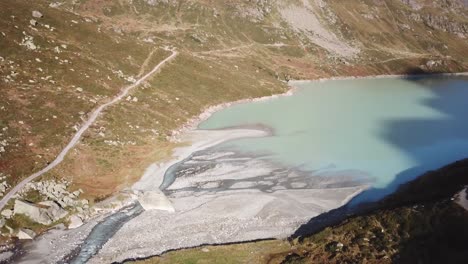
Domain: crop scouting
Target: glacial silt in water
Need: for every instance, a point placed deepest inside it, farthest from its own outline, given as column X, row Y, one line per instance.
column 391, row 129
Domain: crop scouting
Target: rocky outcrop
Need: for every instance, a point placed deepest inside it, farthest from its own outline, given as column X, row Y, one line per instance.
column 444, row 23
column 255, row 11
column 32, row 211
column 46, row 213
column 58, row 192
column 54, row 211
column 308, row 21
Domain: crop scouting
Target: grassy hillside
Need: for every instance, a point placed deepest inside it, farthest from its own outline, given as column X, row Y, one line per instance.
column 54, row 70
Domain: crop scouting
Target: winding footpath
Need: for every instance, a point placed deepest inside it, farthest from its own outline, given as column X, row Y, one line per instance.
column 83, row 128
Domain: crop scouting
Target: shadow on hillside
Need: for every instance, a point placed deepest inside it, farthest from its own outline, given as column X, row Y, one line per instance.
column 419, row 139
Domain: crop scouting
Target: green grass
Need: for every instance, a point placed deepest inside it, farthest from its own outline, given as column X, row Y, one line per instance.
column 19, row 220
column 231, row 254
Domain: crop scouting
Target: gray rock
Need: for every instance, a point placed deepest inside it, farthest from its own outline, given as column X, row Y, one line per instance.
column 60, row 226
column 62, row 204
column 37, row 14
column 7, row 213
column 32, row 211
column 5, row 257
column 2, row 222
column 46, row 215
column 76, row 194
column 3, row 186
column 33, row 22
column 54, row 211
column 75, row 222
column 26, row 234
column 155, row 200
column 60, row 187
column 68, row 201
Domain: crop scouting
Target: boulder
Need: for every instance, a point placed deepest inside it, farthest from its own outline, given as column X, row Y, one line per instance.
column 2, row 222
column 155, row 200
column 75, row 194
column 60, row 188
column 62, row 204
column 7, row 213
column 48, row 213
column 25, row 234
column 37, row 14
column 68, row 201
column 75, row 222
column 32, row 211
column 33, row 22
column 3, row 186
column 54, row 211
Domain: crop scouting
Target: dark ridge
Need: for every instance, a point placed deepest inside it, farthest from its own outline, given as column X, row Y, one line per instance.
column 432, row 186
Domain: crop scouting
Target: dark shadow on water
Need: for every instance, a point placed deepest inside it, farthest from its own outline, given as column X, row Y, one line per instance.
column 430, row 143
column 434, row 142
column 430, row 186
column 357, row 206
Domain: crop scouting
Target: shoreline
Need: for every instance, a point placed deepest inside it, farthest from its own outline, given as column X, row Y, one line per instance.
column 193, row 123
column 380, row 76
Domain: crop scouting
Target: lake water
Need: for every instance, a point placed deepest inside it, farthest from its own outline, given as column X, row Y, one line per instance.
column 391, row 130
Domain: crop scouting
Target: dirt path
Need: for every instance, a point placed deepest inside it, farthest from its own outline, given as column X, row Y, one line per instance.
column 83, row 128
column 145, row 64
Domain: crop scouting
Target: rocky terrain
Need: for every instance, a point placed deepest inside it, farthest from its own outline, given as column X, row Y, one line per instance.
column 42, row 204
column 61, row 60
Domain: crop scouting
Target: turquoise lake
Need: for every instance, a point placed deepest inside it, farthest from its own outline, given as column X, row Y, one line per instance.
column 388, row 129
